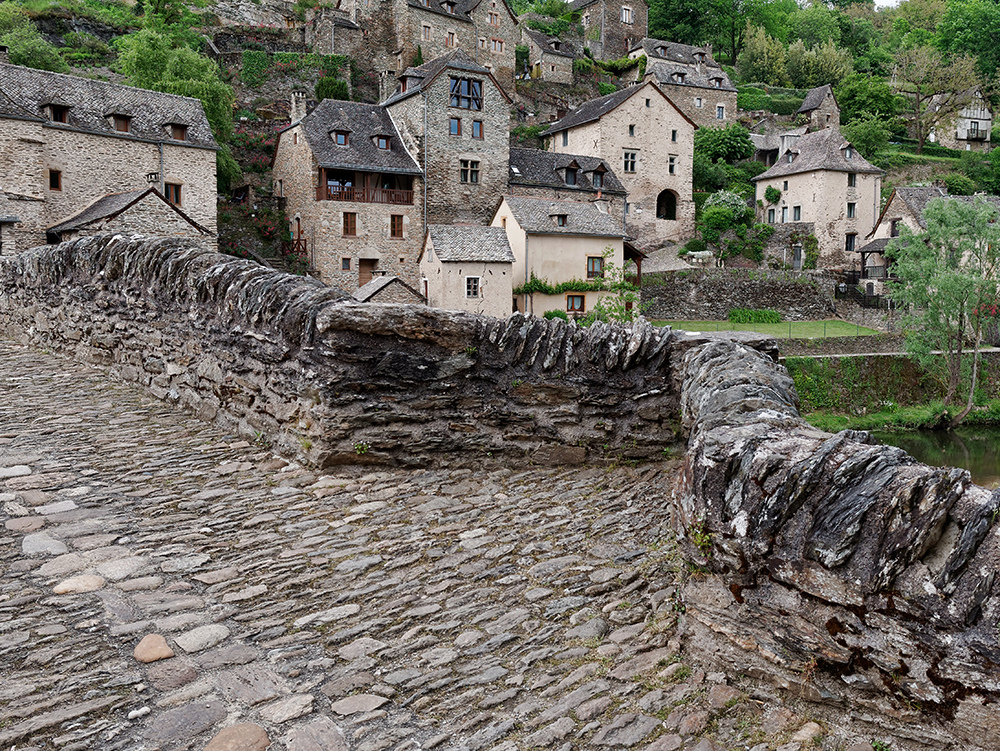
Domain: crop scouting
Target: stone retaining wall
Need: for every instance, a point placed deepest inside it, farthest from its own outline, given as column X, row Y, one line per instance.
column 282, row 359
column 709, row 294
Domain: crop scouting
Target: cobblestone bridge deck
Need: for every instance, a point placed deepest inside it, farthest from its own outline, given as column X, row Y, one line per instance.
column 166, row 586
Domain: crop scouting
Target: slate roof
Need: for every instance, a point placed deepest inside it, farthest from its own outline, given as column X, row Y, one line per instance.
column 815, row 98
column 113, row 204
column 674, row 51
column 424, row 75
column 821, row 150
column 454, row 243
column 535, row 168
column 595, row 109
column 916, row 198
column 875, row 246
column 91, row 102
column 580, row 4
column 362, row 122
column 664, row 71
column 537, row 216
column 545, row 42
column 366, row 292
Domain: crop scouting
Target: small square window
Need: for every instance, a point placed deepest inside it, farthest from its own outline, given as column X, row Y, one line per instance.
column 852, row 179
column 340, row 138
column 560, row 220
column 173, row 193
column 350, row 224
column 60, row 114
column 345, row 264
column 574, row 303
column 469, row 171
column 472, row 286
column 455, row 126
column 178, row 132
column 482, row 43
column 796, row 213
column 382, row 142
column 55, row 179
column 697, row 102
column 595, row 267
column 121, row 123
column 477, row 129
column 496, row 45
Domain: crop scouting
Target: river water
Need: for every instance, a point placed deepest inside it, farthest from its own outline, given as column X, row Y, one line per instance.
column 974, row 449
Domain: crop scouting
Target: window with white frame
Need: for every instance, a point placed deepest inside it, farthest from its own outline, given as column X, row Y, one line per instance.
column 626, row 14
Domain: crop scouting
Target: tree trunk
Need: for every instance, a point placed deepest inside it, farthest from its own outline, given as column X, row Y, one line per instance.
column 975, row 377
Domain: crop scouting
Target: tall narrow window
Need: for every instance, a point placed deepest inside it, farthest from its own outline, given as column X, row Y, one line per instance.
column 851, row 210
column 173, row 191
column 673, row 136
column 396, row 225
column 849, row 242
column 796, row 213
column 626, row 14
column 565, row 138
column 595, row 267
column 629, row 161
column 852, row 179
column 770, row 216
column 350, row 224
column 477, row 129
column 720, row 112
column 570, row 176
column 449, row 40
column 631, row 130
column 784, row 214
column 455, row 126
column 425, row 33
column 598, row 180
column 55, row 179
column 671, row 165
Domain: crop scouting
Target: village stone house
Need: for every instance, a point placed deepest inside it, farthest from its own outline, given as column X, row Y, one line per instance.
column 135, row 212
column 970, row 129
column 610, row 29
column 468, row 268
column 566, row 177
column 66, row 141
column 353, row 192
column 820, row 109
column 825, row 182
column 691, row 78
column 388, row 289
column 651, row 143
column 454, row 117
column 549, row 58
column 555, row 242
column 392, row 32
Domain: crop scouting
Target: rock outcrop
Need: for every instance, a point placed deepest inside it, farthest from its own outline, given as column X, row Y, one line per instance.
column 845, row 571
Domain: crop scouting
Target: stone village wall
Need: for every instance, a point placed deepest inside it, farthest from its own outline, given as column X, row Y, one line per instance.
column 280, row 358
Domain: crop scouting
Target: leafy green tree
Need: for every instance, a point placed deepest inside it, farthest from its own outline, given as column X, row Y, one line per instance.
column 935, row 88
column 972, row 27
column 859, row 95
column 869, row 134
column 708, row 175
column 683, row 21
column 623, row 303
column 814, row 25
column 25, row 45
column 329, row 87
column 949, row 276
column 730, row 144
column 763, row 58
column 824, row 64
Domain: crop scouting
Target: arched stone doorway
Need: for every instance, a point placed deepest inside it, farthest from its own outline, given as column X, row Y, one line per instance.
column 666, row 205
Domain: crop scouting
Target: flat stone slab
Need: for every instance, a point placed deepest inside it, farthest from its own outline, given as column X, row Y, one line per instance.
column 18, row 470
column 170, row 674
column 358, row 703
column 627, row 730
column 288, row 709
column 186, row 722
column 327, row 616
column 321, row 734
column 75, row 584
column 360, row 648
column 25, row 524
column 151, row 648
column 62, row 565
column 41, row 543
column 59, row 507
column 253, row 684
column 243, row 737
column 202, row 637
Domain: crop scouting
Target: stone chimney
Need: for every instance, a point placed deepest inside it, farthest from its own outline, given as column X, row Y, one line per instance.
column 4, row 56
column 298, row 110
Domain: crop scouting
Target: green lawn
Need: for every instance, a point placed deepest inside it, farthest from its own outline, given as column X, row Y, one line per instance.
column 788, row 330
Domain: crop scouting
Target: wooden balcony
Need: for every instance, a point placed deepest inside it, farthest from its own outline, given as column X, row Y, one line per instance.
column 364, row 195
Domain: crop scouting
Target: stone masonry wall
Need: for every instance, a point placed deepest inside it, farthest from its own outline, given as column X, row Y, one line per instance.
column 710, row 294
column 279, row 358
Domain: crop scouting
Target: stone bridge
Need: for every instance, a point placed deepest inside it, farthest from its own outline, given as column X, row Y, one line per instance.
column 506, row 571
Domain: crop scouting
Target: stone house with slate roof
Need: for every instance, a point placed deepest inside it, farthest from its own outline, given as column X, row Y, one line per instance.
column 388, row 289
column 353, row 192
column 549, row 58
column 558, row 241
column 610, row 29
column 142, row 211
column 66, row 141
column 650, row 142
column 824, row 182
column 820, row 108
column 454, row 117
column 468, row 268
column 970, row 129
column 566, row 177
column 692, row 79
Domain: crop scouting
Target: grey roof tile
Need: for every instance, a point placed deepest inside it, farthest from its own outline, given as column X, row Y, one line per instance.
column 566, row 49
column 367, row 291
column 423, row 75
column 916, row 198
column 536, row 168
column 664, row 59
column 820, row 150
column 815, row 98
column 593, row 110
column 91, row 102
column 113, row 204
column 538, row 216
column 455, row 243
column 362, row 123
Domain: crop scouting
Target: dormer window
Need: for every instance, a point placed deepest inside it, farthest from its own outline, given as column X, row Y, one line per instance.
column 700, row 57
column 560, row 220
column 450, row 8
column 661, row 51
column 848, row 153
column 59, row 113
column 791, row 158
column 121, row 123
column 178, row 132
column 570, row 176
column 717, row 83
column 382, row 142
column 340, row 137
column 555, row 44
column 598, row 180
column 678, row 77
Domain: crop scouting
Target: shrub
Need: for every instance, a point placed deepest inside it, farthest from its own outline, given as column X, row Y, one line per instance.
column 694, row 245
column 332, row 88
column 606, row 88
column 959, row 185
column 772, row 194
column 754, row 315
column 550, row 314
column 255, row 65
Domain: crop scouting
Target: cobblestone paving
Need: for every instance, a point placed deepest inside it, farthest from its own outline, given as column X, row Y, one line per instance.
column 165, row 586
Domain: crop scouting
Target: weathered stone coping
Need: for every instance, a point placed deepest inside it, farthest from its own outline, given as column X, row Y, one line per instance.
column 847, row 571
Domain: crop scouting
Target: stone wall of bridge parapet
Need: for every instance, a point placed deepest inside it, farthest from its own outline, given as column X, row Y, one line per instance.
column 286, row 360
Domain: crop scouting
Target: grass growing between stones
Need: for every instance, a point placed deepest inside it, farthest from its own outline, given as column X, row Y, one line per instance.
column 786, row 330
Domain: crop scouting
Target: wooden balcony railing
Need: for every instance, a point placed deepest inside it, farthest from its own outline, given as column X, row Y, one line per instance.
column 363, row 195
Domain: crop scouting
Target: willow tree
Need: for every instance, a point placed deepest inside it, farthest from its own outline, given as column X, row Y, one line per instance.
column 949, row 277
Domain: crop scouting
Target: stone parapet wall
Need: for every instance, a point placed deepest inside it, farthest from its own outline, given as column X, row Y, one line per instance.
column 709, row 294
column 286, row 360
